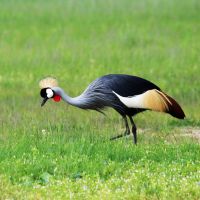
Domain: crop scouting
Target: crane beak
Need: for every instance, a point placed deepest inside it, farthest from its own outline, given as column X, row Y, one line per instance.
column 44, row 101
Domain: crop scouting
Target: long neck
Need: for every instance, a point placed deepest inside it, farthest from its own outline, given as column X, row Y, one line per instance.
column 76, row 101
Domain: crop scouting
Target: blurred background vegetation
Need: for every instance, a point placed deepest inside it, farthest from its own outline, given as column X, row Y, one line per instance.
column 76, row 42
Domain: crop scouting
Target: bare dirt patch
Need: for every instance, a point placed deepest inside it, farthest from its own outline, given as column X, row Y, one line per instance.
column 193, row 132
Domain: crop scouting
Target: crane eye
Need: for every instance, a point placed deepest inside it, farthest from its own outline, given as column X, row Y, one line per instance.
column 50, row 93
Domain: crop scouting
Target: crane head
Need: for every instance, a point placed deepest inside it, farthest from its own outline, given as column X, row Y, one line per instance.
column 47, row 84
column 48, row 93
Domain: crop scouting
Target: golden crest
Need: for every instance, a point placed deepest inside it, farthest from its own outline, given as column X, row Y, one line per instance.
column 48, row 82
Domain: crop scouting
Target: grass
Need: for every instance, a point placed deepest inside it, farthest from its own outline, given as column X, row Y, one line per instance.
column 60, row 152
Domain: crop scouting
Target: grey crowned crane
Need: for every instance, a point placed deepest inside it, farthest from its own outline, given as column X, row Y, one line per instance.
column 128, row 95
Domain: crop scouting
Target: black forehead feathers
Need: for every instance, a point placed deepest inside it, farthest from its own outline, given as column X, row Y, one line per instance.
column 43, row 92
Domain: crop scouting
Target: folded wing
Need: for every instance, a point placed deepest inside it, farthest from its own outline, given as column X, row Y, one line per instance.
column 153, row 100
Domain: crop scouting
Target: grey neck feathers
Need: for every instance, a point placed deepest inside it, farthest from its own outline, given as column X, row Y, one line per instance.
column 78, row 101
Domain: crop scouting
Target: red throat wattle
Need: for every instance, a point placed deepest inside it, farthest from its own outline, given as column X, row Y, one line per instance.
column 56, row 98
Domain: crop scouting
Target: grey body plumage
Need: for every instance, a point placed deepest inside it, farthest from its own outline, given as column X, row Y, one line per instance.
column 97, row 96
column 128, row 95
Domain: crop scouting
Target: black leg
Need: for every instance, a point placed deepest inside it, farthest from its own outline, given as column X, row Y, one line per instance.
column 127, row 131
column 134, row 130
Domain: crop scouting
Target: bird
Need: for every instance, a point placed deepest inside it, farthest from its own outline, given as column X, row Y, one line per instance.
column 126, row 94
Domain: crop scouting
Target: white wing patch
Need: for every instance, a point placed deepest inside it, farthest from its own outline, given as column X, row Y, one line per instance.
column 132, row 102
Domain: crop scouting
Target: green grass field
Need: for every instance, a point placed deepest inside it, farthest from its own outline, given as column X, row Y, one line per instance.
column 61, row 152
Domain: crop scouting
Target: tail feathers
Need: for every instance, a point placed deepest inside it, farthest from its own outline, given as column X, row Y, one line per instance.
column 161, row 102
column 175, row 109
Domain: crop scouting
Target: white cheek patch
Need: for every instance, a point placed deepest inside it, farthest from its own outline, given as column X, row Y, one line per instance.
column 49, row 93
